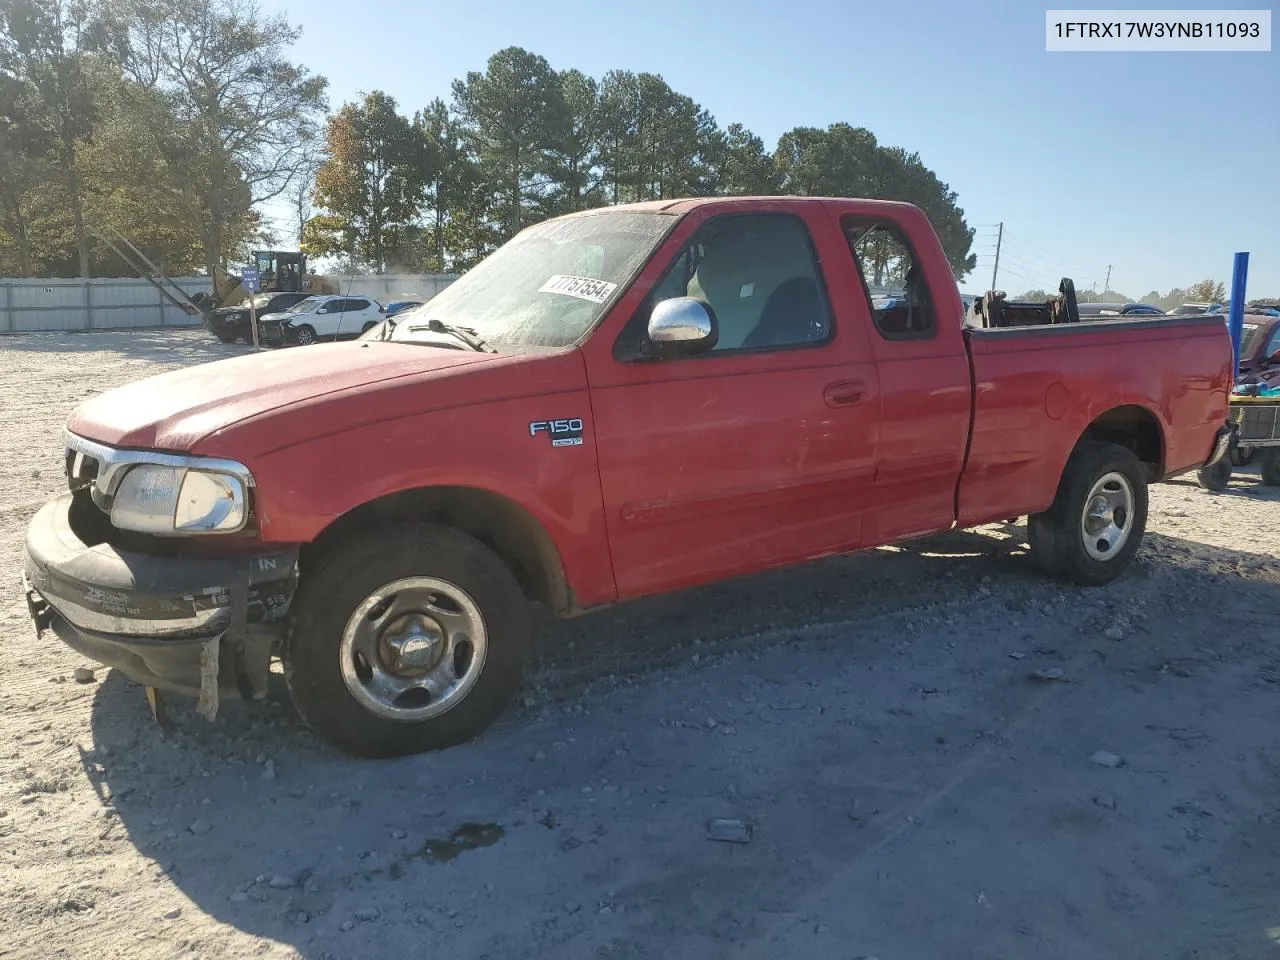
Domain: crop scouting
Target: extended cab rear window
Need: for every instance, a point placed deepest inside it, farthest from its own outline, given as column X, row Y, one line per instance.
column 897, row 292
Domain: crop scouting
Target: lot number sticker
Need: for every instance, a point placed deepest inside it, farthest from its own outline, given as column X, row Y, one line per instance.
column 584, row 288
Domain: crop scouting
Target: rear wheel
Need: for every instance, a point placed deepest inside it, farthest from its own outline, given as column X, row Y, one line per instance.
column 306, row 335
column 1096, row 523
column 1269, row 466
column 404, row 640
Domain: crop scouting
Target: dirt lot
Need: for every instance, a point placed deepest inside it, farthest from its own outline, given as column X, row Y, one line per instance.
column 912, row 791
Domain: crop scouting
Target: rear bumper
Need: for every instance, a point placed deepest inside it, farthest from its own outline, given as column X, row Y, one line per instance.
column 155, row 618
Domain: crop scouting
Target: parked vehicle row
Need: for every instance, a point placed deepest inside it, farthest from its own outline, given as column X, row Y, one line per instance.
column 615, row 404
column 300, row 319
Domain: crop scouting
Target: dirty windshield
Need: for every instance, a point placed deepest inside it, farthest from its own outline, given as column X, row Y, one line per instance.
column 546, row 287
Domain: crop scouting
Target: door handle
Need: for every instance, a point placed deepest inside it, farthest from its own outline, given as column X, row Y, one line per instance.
column 844, row 393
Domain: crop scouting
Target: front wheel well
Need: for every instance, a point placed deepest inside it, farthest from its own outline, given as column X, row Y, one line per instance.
column 1135, row 428
column 498, row 522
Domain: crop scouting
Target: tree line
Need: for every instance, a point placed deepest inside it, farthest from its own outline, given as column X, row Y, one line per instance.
column 1204, row 291
column 520, row 142
column 173, row 122
column 169, row 121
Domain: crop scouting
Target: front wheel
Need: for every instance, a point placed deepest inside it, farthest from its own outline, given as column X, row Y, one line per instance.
column 306, row 335
column 227, row 337
column 1096, row 523
column 404, row 640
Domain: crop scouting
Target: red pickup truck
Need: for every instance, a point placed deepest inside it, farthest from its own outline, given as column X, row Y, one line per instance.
column 614, row 404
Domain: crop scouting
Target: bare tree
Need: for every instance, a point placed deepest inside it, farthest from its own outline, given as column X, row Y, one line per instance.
column 248, row 113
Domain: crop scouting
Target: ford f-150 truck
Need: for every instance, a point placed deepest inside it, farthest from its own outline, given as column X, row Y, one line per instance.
column 614, row 404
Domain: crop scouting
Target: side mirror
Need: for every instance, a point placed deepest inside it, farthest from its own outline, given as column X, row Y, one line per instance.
column 681, row 326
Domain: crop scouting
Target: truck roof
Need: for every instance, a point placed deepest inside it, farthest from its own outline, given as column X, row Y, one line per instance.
column 686, row 204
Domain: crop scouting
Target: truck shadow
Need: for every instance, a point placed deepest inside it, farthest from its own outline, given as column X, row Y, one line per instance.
column 1245, row 483
column 311, row 845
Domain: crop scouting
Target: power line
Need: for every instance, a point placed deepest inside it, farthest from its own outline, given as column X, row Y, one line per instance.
column 1051, row 254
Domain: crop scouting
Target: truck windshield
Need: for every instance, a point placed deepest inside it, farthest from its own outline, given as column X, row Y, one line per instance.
column 546, row 286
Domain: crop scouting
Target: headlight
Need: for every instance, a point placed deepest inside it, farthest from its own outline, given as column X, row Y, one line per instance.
column 166, row 500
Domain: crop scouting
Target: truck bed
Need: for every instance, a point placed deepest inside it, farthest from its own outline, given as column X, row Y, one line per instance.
column 1036, row 389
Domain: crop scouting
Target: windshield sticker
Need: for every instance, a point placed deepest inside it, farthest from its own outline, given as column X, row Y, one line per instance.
column 584, row 288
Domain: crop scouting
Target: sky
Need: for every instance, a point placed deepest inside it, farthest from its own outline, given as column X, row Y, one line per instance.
column 1158, row 165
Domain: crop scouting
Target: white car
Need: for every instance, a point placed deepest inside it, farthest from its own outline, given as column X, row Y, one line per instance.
column 327, row 317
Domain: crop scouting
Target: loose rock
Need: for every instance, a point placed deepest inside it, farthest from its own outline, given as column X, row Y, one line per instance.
column 173, row 914
column 281, row 882
column 1105, row 758
column 729, row 830
column 84, row 675
column 1049, row 675
column 269, row 770
column 1114, row 633
column 200, row 826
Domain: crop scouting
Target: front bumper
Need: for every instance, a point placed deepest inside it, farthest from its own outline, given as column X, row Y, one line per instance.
column 202, row 627
column 234, row 325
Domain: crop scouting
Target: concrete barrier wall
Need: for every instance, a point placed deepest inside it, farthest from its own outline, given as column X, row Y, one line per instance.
column 28, row 306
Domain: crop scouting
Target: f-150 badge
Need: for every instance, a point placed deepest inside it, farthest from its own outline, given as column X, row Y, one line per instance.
column 563, row 433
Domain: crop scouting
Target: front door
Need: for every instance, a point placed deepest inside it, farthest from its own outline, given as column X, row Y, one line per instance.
column 758, row 452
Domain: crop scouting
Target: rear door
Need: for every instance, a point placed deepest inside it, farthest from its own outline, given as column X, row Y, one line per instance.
column 756, row 453
column 917, row 342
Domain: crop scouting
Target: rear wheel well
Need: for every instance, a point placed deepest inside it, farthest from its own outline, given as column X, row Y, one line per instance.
column 499, row 523
column 1135, row 428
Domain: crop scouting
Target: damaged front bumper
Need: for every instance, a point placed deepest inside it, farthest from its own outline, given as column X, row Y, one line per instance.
column 204, row 627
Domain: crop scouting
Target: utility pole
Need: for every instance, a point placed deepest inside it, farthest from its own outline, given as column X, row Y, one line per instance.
column 996, row 268
column 1107, row 285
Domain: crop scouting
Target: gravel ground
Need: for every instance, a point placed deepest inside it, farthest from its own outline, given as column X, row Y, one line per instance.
column 872, row 726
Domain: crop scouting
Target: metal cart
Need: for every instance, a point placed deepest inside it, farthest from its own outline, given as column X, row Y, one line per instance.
column 1255, row 423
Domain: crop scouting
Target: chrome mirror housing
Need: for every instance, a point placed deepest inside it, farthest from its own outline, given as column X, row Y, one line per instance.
column 682, row 325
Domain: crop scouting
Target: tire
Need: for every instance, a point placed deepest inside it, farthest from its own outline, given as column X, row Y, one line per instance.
column 1216, row 477
column 306, row 335
column 1269, row 466
column 418, row 568
column 1066, row 543
column 227, row 337
column 369, row 326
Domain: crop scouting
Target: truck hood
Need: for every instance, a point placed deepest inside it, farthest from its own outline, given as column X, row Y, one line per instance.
column 174, row 411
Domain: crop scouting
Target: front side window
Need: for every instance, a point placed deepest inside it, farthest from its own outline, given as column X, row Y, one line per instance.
column 896, row 288
column 310, row 305
column 759, row 275
column 1273, row 345
column 547, row 286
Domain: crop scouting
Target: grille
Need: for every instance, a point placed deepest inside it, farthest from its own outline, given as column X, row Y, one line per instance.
column 1261, row 422
column 82, row 469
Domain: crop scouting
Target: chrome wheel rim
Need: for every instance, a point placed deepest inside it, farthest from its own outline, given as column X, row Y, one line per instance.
column 413, row 649
column 1107, row 521
column 304, row 338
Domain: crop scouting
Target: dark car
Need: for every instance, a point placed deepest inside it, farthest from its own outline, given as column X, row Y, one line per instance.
column 230, row 324
column 1259, row 342
column 1105, row 311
